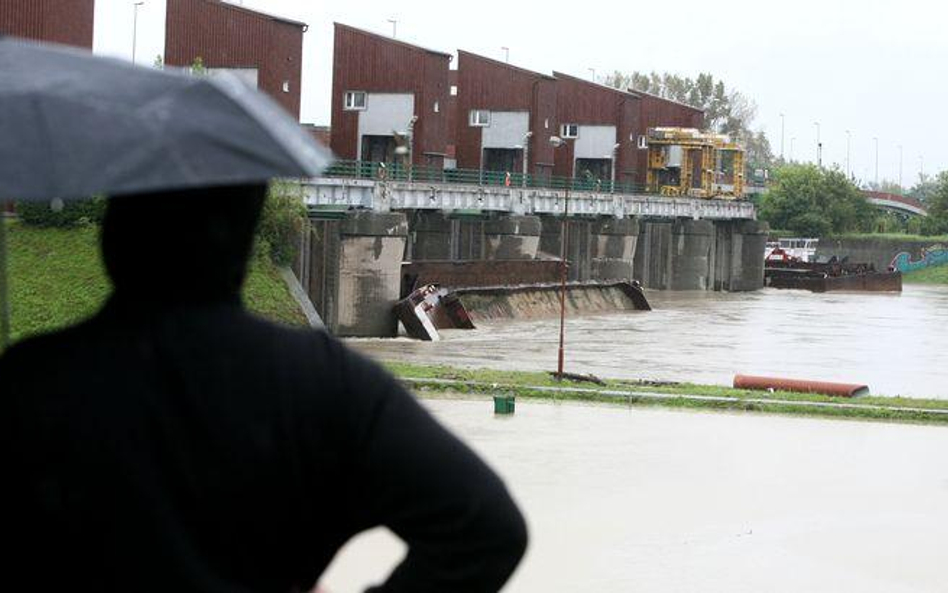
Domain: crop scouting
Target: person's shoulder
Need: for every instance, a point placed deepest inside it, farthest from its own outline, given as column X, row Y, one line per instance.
column 43, row 348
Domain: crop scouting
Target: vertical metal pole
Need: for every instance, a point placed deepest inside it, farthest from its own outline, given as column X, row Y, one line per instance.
column 901, row 189
column 563, row 266
column 4, row 291
column 876, row 140
column 782, row 129
column 135, row 30
column 848, row 138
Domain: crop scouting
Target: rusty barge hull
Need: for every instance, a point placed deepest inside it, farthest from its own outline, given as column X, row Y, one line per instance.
column 814, row 282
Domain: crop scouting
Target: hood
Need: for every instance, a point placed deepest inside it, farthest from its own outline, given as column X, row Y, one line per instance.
column 181, row 246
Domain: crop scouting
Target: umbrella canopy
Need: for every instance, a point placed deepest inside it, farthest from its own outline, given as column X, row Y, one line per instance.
column 76, row 125
column 73, row 125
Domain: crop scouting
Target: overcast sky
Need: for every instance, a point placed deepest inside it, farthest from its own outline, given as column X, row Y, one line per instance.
column 876, row 68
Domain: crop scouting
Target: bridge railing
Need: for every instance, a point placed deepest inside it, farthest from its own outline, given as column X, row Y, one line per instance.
column 372, row 170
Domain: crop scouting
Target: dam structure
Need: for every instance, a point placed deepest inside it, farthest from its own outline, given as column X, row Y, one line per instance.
column 361, row 231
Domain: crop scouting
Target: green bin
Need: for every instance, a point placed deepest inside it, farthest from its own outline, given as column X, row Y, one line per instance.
column 504, row 404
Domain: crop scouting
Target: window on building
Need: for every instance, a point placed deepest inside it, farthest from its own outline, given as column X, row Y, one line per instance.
column 569, row 131
column 454, row 90
column 355, row 100
column 480, row 118
column 546, row 124
column 643, row 142
column 286, row 86
column 437, row 107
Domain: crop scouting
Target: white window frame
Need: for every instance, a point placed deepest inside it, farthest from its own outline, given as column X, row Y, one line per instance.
column 349, row 102
column 286, row 86
column 642, row 142
column 565, row 128
column 437, row 107
column 454, row 90
column 479, row 118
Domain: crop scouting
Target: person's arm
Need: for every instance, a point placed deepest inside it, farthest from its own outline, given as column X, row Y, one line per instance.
column 463, row 531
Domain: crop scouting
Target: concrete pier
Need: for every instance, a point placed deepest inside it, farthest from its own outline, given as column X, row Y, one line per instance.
column 613, row 245
column 691, row 254
column 512, row 237
column 350, row 265
column 653, row 255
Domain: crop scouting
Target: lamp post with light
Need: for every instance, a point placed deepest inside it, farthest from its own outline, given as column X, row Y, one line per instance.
column 557, row 142
column 135, row 29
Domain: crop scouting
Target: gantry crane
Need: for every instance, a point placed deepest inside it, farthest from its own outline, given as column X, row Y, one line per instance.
column 688, row 162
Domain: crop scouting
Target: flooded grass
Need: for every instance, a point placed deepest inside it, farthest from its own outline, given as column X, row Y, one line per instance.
column 445, row 379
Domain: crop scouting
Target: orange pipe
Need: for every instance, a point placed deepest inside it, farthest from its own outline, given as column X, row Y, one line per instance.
column 801, row 386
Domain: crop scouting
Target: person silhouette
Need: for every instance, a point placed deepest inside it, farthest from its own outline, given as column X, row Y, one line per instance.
column 176, row 442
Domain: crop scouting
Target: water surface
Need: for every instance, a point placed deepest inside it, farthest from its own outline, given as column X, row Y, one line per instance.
column 896, row 344
column 638, row 499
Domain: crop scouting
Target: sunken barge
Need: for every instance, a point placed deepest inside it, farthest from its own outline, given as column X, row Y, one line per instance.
column 782, row 271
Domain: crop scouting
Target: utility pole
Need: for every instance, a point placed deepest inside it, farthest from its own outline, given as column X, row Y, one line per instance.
column 394, row 27
column 849, row 137
column 876, row 140
column 782, row 128
column 901, row 189
column 135, row 29
column 819, row 146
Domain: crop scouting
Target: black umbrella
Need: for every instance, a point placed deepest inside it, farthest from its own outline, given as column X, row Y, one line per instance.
column 73, row 125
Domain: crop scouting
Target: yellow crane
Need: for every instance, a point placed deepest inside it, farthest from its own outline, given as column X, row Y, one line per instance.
column 689, row 162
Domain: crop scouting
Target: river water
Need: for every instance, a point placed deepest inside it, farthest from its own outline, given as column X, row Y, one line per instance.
column 639, row 499
column 895, row 343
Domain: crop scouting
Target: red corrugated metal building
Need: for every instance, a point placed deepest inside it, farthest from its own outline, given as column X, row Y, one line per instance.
column 59, row 21
column 596, row 122
column 379, row 86
column 262, row 48
column 498, row 105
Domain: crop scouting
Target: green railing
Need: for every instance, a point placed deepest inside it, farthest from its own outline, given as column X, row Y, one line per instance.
column 398, row 172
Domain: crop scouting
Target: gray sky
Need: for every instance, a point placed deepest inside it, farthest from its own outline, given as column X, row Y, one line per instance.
column 876, row 68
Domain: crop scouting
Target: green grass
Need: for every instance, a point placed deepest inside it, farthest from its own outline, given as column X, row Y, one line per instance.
column 894, row 237
column 931, row 275
column 425, row 379
column 57, row 279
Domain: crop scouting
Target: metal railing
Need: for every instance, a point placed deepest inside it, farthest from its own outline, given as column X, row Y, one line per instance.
column 376, row 171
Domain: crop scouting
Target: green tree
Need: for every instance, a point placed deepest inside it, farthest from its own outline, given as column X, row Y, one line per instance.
column 726, row 111
column 936, row 223
column 815, row 202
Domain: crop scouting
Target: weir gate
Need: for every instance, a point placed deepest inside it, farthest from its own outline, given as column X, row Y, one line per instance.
column 362, row 230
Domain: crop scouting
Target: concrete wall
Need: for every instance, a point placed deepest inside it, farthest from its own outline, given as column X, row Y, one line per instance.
column 653, row 255
column 351, row 269
column 904, row 255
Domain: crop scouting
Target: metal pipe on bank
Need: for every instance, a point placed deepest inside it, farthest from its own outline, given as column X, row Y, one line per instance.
column 799, row 386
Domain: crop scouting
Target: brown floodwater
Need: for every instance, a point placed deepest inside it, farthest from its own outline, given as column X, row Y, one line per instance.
column 638, row 499
column 895, row 343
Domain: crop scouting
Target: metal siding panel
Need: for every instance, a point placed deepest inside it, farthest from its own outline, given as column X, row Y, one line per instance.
column 364, row 61
column 58, row 21
column 226, row 36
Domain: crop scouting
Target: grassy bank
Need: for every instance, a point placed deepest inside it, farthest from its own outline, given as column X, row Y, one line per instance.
column 932, row 275
column 57, row 278
column 441, row 379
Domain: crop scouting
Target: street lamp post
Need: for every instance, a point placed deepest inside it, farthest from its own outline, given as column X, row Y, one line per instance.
column 394, row 27
column 135, row 29
column 782, row 128
column 506, row 51
column 593, row 72
column 849, row 137
column 819, row 147
column 901, row 189
column 876, row 140
column 612, row 167
column 557, row 142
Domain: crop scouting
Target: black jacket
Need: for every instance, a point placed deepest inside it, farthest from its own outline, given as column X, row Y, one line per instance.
column 185, row 445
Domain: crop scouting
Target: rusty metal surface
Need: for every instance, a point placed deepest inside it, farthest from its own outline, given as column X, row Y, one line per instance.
column 365, row 61
column 800, row 386
column 829, row 276
column 224, row 35
column 59, row 21
column 430, row 308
